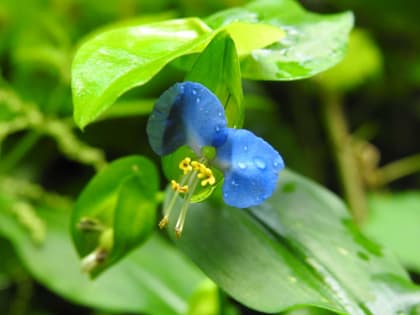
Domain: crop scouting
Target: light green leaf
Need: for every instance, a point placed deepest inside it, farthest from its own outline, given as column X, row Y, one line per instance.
column 115, row 212
column 154, row 279
column 394, row 220
column 298, row 248
column 115, row 61
column 313, row 42
column 363, row 61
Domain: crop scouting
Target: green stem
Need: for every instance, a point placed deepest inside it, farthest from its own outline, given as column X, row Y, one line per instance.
column 21, row 301
column 19, row 151
column 341, row 143
column 398, row 169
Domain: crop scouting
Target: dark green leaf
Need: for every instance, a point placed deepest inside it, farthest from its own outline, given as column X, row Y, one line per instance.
column 116, row 211
column 313, row 42
column 298, row 248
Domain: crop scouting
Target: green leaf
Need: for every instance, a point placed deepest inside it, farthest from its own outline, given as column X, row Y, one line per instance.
column 363, row 60
column 205, row 300
column 115, row 212
column 115, row 61
column 298, row 248
column 218, row 69
column 155, row 279
column 313, row 42
column 394, row 220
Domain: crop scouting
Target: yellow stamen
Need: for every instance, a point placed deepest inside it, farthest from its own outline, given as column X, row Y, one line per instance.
column 185, row 166
column 164, row 222
column 196, row 165
column 209, row 177
column 177, row 187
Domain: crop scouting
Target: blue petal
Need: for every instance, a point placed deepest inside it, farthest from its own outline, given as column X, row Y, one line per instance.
column 187, row 113
column 250, row 166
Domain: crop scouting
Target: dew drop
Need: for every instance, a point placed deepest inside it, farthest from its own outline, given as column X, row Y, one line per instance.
column 234, row 183
column 245, row 148
column 219, row 113
column 198, row 100
column 217, row 128
column 225, row 195
column 259, row 163
column 194, row 92
column 242, row 165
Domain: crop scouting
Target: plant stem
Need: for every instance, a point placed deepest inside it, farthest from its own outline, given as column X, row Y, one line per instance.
column 341, row 143
column 19, row 151
column 398, row 169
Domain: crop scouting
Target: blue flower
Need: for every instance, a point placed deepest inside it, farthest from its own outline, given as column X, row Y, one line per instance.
column 190, row 114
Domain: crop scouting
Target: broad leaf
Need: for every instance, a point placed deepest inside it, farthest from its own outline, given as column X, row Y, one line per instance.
column 298, row 248
column 363, row 61
column 116, row 211
column 154, row 279
column 115, row 61
column 313, row 42
column 394, row 220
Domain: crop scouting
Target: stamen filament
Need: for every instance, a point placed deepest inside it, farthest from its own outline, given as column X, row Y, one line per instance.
column 184, row 209
column 168, row 209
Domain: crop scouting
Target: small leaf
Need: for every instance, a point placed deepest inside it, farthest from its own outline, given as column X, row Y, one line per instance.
column 298, row 248
column 313, row 42
column 115, row 212
column 218, row 69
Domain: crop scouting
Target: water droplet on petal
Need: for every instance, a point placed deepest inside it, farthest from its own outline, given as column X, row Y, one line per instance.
column 245, row 148
column 242, row 165
column 225, row 195
column 234, row 183
column 259, row 163
column 194, row 92
column 219, row 113
column 217, row 128
column 198, row 100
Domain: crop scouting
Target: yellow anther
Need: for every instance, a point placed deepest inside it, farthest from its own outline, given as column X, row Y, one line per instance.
column 177, row 187
column 208, row 176
column 185, row 166
column 196, row 165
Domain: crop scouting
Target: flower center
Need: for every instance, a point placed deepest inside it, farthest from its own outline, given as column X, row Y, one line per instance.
column 193, row 173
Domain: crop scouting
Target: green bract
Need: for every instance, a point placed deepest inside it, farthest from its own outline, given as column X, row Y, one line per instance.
column 115, row 212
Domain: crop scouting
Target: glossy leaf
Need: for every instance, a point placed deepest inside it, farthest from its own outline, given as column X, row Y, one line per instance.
column 119, row 204
column 154, row 279
column 115, row 61
column 313, row 42
column 112, row 62
column 298, row 248
column 362, row 61
column 218, row 69
column 394, row 220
